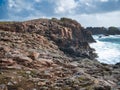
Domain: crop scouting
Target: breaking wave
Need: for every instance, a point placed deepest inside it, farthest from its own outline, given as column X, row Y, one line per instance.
column 107, row 48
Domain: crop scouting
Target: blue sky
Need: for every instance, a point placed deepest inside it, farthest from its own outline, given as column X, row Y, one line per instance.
column 87, row 12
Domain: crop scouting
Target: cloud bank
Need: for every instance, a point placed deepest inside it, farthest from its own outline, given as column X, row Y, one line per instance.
column 87, row 12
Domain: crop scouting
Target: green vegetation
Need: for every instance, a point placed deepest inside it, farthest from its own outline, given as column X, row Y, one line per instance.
column 65, row 19
column 54, row 19
column 7, row 22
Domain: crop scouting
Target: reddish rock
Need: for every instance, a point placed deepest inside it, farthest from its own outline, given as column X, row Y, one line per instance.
column 46, row 62
column 34, row 55
column 37, row 55
column 66, row 33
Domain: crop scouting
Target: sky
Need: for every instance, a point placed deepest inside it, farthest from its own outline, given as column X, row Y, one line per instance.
column 94, row 13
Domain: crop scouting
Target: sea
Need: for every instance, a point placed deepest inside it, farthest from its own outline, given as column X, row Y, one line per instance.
column 107, row 48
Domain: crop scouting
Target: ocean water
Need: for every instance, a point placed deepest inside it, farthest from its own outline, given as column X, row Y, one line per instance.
column 107, row 48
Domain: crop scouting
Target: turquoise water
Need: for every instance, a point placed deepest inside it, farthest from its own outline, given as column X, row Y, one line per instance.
column 107, row 48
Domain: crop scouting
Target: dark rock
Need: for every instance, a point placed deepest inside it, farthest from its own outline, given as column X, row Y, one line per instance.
column 97, row 30
column 117, row 65
column 113, row 31
column 102, row 88
column 104, row 31
column 12, row 87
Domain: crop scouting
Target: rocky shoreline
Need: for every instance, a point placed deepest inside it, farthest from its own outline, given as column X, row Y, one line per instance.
column 52, row 54
column 105, row 31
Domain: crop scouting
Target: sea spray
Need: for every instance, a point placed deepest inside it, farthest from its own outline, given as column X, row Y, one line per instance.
column 107, row 48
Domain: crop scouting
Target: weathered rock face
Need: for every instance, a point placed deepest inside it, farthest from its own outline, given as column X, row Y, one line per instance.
column 66, row 33
column 32, row 58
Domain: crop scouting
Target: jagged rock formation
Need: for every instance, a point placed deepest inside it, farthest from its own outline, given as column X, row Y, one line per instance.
column 104, row 31
column 36, row 55
column 66, row 33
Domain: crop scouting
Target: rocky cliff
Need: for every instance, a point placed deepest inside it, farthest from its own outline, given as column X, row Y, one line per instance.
column 51, row 54
column 68, row 34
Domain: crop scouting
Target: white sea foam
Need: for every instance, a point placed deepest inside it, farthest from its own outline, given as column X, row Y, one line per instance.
column 108, row 52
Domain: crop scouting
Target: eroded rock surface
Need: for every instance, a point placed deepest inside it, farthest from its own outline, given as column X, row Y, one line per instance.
column 68, row 34
column 51, row 55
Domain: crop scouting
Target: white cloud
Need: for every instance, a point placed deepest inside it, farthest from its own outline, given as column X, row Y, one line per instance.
column 104, row 0
column 19, row 5
column 65, row 6
column 37, row 0
column 11, row 3
column 103, row 19
column 86, row 1
column 75, row 9
column 17, row 9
